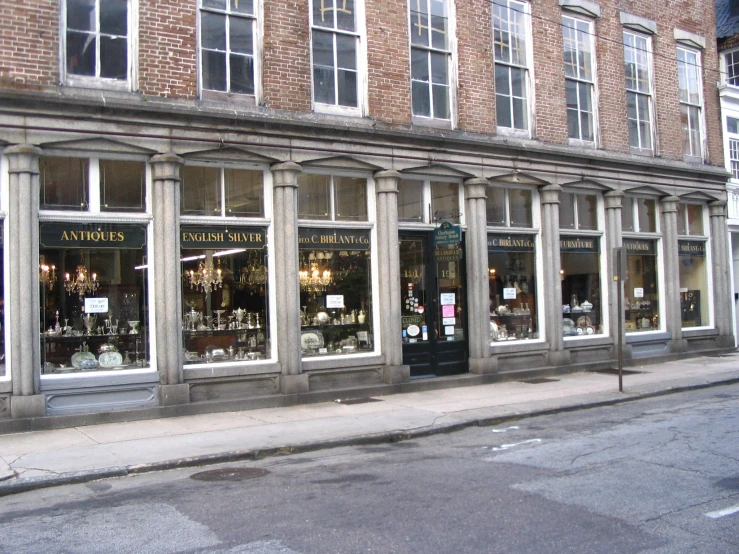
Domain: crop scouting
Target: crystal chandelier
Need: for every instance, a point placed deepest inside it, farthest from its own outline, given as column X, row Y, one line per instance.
column 207, row 276
column 47, row 275
column 82, row 283
column 318, row 276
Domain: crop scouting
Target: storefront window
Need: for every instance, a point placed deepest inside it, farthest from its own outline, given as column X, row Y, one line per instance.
column 509, row 207
column 512, row 282
column 641, row 303
column 335, row 291
column 693, row 283
column 225, row 286
column 93, row 287
column 581, row 295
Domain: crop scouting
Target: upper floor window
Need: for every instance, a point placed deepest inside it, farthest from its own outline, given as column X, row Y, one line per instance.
column 97, row 35
column 92, row 184
column 579, row 59
column 691, row 100
column 430, row 58
column 732, row 67
column 732, row 130
column 227, row 45
column 335, row 48
column 509, row 207
column 222, row 192
column 637, row 61
column 510, row 40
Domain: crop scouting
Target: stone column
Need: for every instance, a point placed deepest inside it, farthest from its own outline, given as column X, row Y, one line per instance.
column 614, row 239
column 551, row 299
column 285, row 184
column 478, row 290
column 165, row 261
column 671, row 310
column 721, row 285
column 23, row 281
column 388, row 258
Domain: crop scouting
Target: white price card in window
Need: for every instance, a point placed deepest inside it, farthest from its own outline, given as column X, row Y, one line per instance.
column 448, row 320
column 639, row 293
column 96, row 305
column 447, row 299
column 449, row 330
column 509, row 293
column 334, row 300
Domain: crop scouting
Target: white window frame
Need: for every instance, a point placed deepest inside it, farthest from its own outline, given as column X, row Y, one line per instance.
column 360, row 35
column 731, row 146
column 683, row 67
column 535, row 220
column 257, row 34
column 726, row 63
column 527, row 67
column 593, row 83
column 649, row 94
column 452, row 66
column 86, row 81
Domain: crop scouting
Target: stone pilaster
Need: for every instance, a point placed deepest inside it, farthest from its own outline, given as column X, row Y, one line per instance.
column 478, row 290
column 386, row 190
column 614, row 239
column 165, row 262
column 285, row 184
column 721, row 283
column 670, row 312
column 551, row 300
column 23, row 281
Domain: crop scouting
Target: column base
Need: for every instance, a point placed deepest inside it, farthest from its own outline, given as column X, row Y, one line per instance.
column 294, row 384
column 559, row 358
column 172, row 395
column 483, row 366
column 725, row 341
column 678, row 345
column 394, row 374
column 27, row 406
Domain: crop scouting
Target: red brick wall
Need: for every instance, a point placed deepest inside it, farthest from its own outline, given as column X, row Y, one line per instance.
column 287, row 71
column 29, row 43
column 168, row 48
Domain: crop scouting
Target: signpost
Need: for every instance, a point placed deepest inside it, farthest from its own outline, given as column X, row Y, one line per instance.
column 619, row 275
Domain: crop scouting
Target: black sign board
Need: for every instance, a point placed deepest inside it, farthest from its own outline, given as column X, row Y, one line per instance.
column 333, row 239
column 92, row 235
column 220, row 236
column 576, row 245
column 511, row 243
column 691, row 248
column 638, row 246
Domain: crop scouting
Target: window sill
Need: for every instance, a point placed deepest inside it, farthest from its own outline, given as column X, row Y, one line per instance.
column 693, row 159
column 513, row 133
column 228, row 97
column 431, row 122
column 589, row 144
column 331, row 109
column 646, row 152
column 97, row 83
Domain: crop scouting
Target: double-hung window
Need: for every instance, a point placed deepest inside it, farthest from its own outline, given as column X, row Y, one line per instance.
column 579, row 57
column 731, row 61
column 227, row 45
column 732, row 130
column 97, row 42
column 336, row 53
column 510, row 41
column 691, row 101
column 637, row 62
column 430, row 58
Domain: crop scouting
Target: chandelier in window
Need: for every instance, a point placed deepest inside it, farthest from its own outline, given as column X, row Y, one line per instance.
column 47, row 274
column 207, row 276
column 82, row 282
column 315, row 275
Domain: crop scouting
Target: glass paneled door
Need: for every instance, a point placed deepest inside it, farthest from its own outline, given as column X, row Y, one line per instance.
column 433, row 306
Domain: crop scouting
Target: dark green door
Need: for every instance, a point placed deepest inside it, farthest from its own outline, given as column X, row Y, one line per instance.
column 433, row 307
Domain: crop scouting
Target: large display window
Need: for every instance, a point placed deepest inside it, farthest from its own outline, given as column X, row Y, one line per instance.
column 694, row 298
column 93, row 289
column 581, row 291
column 225, row 293
column 641, row 302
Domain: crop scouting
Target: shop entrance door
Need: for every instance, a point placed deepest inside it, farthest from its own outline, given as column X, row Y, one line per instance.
column 433, row 306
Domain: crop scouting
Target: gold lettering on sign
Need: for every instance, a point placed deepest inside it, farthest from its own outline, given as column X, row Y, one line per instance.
column 93, row 236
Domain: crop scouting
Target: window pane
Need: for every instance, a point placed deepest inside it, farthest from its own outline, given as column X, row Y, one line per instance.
column 313, row 196
column 323, row 13
column 518, row 86
column 503, row 111
column 201, row 191
column 627, row 215
column 495, row 206
column 419, row 26
column 641, row 305
column 647, row 210
column 445, row 202
column 240, row 34
column 122, row 185
column 414, row 288
column 217, row 4
column 567, row 211
column 345, row 15
column 113, row 57
column 587, row 212
column 682, row 228
column 348, row 88
column 441, row 102
column 693, row 284
column 242, row 74
column 351, row 198
column 439, row 68
column 439, row 32
column 581, row 296
column 410, row 199
column 520, row 207
column 213, row 31
column 346, row 52
column 323, row 49
column 419, row 65
column 421, row 100
column 244, row 193
column 732, row 124
column 502, row 84
column 114, row 17
column 81, row 15
column 323, row 85
column 81, row 53
column 695, row 219
column 63, row 183
column 214, row 70
column 242, row 6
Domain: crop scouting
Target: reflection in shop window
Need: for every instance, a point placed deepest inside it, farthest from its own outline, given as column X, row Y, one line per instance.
column 641, row 303
column 410, row 201
column 581, row 294
column 93, row 297
column 512, row 285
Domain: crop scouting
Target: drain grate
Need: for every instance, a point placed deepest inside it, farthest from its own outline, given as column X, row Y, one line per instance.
column 358, row 400
column 230, row 474
column 612, row 371
column 538, row 380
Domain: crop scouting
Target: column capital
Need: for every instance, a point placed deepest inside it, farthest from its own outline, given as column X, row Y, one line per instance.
column 386, row 181
column 550, row 194
column 669, row 203
column 166, row 167
column 717, row 208
column 614, row 199
column 285, row 174
column 475, row 187
column 22, row 158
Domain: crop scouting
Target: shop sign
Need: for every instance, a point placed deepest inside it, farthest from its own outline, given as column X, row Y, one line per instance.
column 636, row 246
column 334, row 301
column 448, row 255
column 510, row 243
column 578, row 244
column 333, row 239
column 692, row 248
column 221, row 236
column 447, row 234
column 92, row 235
column 411, row 319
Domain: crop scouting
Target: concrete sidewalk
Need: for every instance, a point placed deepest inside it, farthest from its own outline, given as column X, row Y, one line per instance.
column 47, row 458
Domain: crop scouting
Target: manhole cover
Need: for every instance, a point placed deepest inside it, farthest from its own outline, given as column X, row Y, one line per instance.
column 612, row 371
column 538, row 380
column 358, row 400
column 230, row 474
